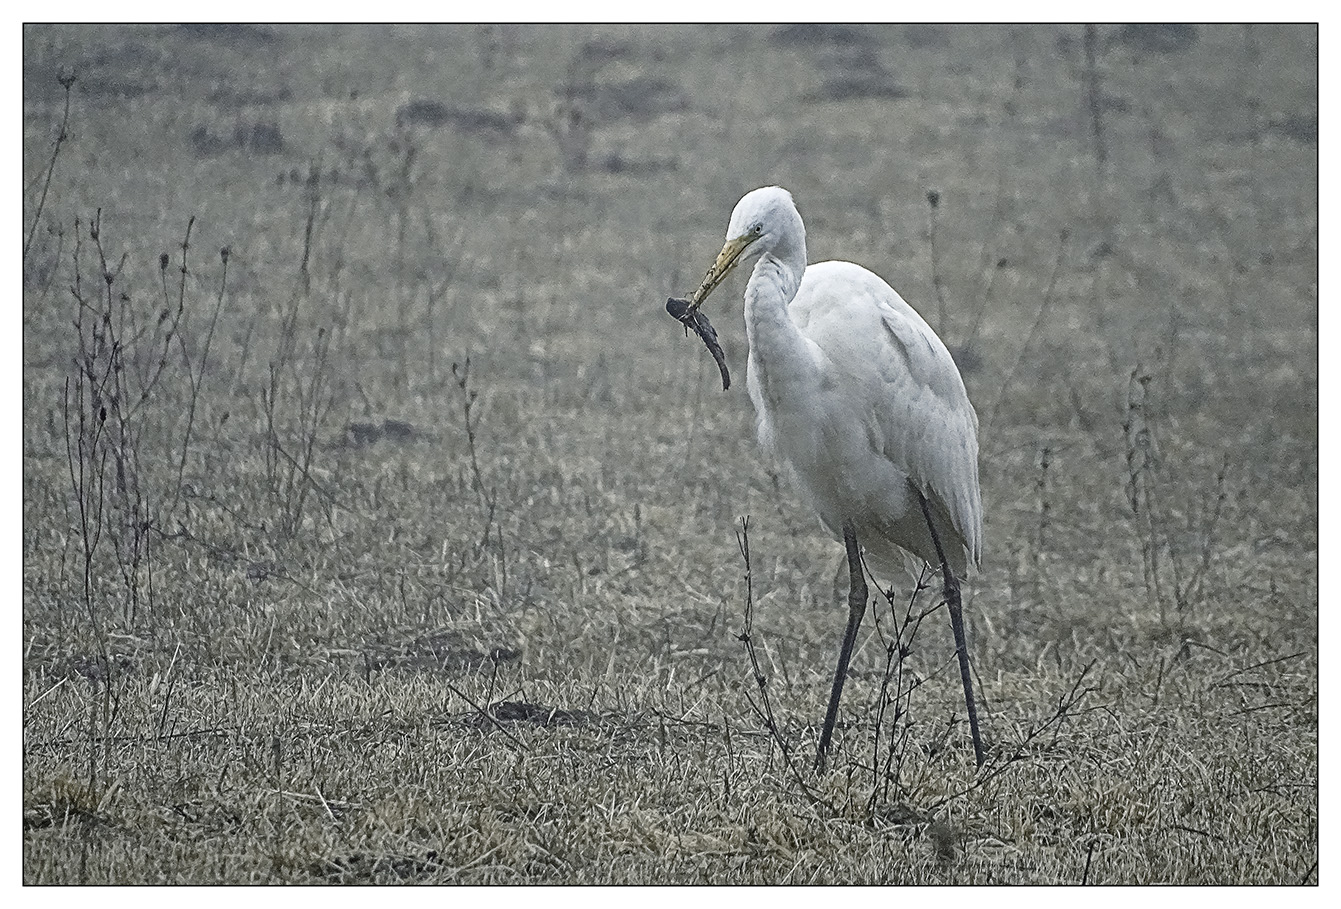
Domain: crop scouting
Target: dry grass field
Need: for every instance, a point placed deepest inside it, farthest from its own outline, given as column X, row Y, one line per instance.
column 380, row 526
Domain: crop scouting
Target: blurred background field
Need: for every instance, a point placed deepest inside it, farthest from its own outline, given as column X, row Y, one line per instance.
column 388, row 531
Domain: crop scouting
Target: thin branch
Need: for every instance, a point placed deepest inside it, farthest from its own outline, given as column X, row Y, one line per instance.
column 997, row 767
column 66, row 80
column 1043, row 308
column 764, row 707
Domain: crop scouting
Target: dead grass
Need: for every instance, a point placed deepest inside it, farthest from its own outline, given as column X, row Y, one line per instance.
column 390, row 620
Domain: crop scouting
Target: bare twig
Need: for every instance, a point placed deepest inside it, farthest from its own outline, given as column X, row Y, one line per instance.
column 1044, row 503
column 484, row 712
column 764, row 707
column 1224, row 680
column 67, row 80
column 933, row 205
column 897, row 648
column 461, row 372
column 1043, row 307
column 1089, row 857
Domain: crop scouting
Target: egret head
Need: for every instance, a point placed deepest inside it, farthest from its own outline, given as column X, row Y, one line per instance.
column 765, row 220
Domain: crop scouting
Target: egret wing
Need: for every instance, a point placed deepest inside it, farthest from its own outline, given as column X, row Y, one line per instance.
column 909, row 394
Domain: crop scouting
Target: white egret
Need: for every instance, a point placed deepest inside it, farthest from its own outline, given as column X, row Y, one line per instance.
column 860, row 400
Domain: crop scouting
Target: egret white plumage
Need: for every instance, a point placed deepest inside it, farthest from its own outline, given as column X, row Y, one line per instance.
column 860, row 400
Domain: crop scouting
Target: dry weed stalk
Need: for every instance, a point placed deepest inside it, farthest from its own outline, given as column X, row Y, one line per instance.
column 1142, row 460
column 121, row 360
column 491, row 535
column 120, row 419
column 195, row 374
column 1043, row 307
column 1042, row 487
column 308, row 402
column 1148, row 496
column 933, row 206
column 298, row 397
column 67, row 81
column 764, row 706
column 897, row 684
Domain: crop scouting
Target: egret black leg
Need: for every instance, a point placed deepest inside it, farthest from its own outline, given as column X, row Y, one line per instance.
column 952, row 600
column 856, row 608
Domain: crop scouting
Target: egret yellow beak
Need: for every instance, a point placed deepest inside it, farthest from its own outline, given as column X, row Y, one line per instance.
column 726, row 260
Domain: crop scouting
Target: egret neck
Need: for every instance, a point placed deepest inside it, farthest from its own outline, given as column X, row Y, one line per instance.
column 779, row 354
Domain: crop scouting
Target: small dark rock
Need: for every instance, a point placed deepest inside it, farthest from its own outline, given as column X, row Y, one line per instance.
column 857, row 87
column 259, row 138
column 397, row 429
column 1301, row 128
column 227, row 32
column 430, row 113
column 362, row 433
column 1157, row 38
column 205, row 144
column 808, row 34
